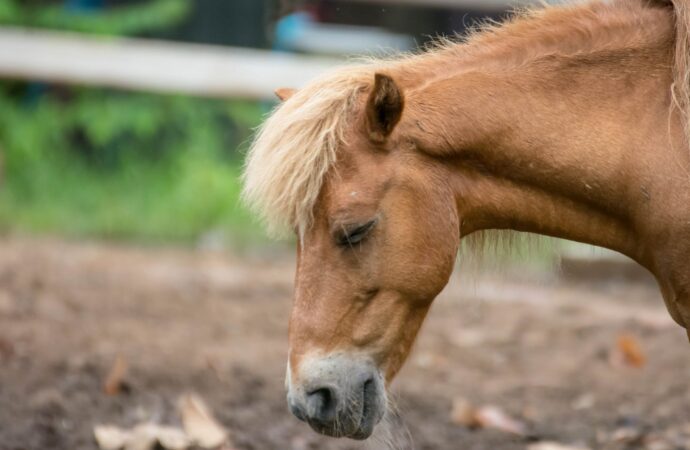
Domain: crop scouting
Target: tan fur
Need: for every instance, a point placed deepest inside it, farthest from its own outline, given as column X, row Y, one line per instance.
column 568, row 122
column 296, row 146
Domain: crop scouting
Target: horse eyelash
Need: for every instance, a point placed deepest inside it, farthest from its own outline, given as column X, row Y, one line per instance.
column 359, row 232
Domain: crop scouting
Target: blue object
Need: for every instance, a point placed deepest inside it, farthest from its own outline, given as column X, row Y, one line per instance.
column 289, row 29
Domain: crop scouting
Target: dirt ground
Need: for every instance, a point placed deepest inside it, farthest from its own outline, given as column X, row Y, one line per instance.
column 541, row 349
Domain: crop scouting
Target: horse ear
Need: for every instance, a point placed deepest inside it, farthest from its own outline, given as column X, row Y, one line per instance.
column 284, row 93
column 384, row 107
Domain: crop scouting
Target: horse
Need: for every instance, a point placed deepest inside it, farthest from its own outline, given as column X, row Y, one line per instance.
column 569, row 121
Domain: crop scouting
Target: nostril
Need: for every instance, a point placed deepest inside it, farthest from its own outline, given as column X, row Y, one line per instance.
column 321, row 404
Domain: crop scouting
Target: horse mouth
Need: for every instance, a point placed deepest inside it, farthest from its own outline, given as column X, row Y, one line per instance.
column 359, row 426
column 371, row 413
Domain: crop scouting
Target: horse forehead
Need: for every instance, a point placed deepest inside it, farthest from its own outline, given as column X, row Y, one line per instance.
column 359, row 163
column 361, row 185
column 357, row 180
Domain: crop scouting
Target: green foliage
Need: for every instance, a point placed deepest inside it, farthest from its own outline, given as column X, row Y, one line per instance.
column 119, row 165
column 124, row 165
column 151, row 16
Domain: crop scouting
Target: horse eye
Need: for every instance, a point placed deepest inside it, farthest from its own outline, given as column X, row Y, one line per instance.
column 354, row 235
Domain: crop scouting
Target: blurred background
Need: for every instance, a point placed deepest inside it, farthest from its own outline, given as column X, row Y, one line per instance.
column 137, row 293
column 144, row 139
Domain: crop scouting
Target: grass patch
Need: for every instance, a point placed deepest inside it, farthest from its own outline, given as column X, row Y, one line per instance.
column 123, row 166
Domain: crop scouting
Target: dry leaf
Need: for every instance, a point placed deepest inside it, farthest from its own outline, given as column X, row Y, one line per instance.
column 631, row 351
column 144, row 436
column 109, row 437
column 199, row 424
column 464, row 413
column 493, row 417
column 553, row 446
column 114, row 382
column 200, row 429
column 172, row 438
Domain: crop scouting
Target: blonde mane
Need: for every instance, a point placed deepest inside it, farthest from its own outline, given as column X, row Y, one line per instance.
column 298, row 144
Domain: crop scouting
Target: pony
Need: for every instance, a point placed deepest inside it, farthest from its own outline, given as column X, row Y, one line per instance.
column 568, row 121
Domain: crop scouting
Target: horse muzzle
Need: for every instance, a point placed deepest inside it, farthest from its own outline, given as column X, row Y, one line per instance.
column 338, row 396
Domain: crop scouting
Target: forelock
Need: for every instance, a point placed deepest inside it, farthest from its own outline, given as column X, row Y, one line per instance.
column 296, row 147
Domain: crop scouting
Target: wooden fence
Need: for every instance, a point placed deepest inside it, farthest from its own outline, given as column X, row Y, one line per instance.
column 149, row 65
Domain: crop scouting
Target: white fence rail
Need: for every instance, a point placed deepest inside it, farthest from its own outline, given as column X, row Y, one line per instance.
column 149, row 65
column 479, row 5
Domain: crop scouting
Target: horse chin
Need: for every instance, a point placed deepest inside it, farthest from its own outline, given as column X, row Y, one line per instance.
column 359, row 428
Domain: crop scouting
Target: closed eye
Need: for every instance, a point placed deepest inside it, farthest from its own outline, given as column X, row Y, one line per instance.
column 348, row 236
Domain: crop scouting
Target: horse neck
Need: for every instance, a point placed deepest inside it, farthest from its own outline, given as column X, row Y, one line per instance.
column 568, row 144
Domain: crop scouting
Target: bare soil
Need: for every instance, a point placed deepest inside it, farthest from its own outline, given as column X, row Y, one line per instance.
column 541, row 349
